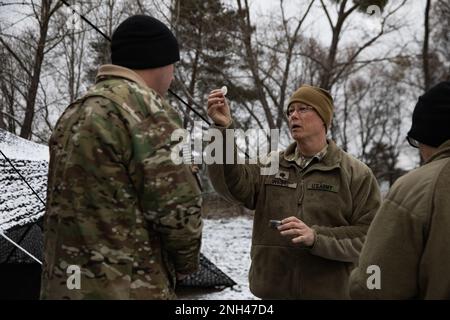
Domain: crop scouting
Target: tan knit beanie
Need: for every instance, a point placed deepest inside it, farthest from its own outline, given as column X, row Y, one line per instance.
column 318, row 98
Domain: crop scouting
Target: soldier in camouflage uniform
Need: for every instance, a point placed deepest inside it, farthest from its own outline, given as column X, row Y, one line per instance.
column 118, row 208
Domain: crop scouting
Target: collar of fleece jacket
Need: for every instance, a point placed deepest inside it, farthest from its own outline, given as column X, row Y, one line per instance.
column 331, row 159
column 442, row 152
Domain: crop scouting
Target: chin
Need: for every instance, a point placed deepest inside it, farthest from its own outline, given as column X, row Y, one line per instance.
column 296, row 135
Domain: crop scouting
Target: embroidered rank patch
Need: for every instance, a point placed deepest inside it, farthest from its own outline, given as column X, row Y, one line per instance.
column 284, row 175
column 322, row 187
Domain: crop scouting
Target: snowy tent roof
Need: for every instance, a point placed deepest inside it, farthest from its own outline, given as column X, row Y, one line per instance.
column 15, row 147
column 18, row 204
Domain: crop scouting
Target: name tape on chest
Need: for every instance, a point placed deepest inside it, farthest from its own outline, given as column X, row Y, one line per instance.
column 281, row 183
column 319, row 186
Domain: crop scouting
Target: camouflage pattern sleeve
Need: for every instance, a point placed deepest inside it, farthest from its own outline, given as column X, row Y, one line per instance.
column 91, row 218
column 169, row 195
column 117, row 206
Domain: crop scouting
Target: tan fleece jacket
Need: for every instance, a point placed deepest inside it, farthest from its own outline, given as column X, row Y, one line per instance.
column 337, row 196
column 409, row 239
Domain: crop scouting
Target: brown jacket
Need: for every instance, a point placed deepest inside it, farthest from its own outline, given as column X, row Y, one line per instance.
column 409, row 239
column 338, row 197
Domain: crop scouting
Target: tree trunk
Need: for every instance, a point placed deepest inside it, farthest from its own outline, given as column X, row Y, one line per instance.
column 425, row 51
column 45, row 15
column 252, row 60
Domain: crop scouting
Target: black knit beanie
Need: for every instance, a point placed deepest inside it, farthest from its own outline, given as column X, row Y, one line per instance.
column 143, row 42
column 431, row 116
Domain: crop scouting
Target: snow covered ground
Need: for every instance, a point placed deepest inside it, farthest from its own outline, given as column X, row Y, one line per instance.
column 15, row 147
column 226, row 242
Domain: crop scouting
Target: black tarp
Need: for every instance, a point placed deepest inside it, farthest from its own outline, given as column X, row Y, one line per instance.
column 20, row 274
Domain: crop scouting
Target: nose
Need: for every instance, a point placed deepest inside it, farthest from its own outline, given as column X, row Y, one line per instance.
column 294, row 115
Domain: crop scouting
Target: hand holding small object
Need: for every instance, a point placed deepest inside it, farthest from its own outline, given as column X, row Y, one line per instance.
column 298, row 231
column 218, row 108
column 274, row 223
column 224, row 90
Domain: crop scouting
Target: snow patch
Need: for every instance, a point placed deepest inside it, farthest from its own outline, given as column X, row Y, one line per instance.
column 15, row 147
column 227, row 242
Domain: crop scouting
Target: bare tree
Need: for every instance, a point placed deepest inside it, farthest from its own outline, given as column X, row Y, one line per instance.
column 373, row 112
column 262, row 61
column 440, row 35
column 42, row 13
column 72, row 50
column 40, row 43
column 204, row 31
column 8, row 92
column 425, row 49
column 429, row 60
column 269, row 61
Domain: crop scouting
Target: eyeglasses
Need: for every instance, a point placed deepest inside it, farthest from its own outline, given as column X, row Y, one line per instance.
column 413, row 142
column 304, row 109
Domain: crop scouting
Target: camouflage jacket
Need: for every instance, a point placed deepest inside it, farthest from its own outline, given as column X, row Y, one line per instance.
column 118, row 208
